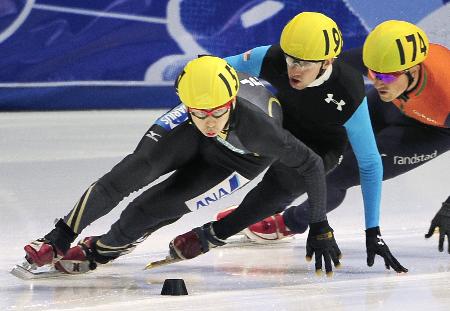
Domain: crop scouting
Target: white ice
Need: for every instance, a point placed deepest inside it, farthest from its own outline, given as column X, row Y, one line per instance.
column 47, row 160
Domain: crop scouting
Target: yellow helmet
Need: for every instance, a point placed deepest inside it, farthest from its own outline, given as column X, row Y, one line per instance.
column 206, row 83
column 394, row 46
column 311, row 36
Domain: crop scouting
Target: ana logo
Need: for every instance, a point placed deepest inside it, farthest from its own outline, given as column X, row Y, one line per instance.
column 225, row 188
column 173, row 118
column 339, row 104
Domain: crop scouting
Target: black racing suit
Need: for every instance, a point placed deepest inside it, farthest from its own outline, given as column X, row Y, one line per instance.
column 323, row 117
column 404, row 143
column 204, row 169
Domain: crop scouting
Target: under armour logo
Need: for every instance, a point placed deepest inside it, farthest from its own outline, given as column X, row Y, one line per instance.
column 76, row 267
column 380, row 240
column 152, row 135
column 339, row 104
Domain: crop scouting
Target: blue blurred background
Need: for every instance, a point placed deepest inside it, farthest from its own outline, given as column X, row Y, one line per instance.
column 105, row 54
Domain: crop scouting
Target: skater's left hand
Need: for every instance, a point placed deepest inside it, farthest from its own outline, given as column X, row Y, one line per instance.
column 195, row 242
column 441, row 221
column 321, row 242
column 376, row 246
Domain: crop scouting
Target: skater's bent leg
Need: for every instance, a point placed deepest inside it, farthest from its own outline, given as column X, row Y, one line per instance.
column 279, row 187
column 161, row 205
column 339, row 180
column 150, row 160
column 153, row 209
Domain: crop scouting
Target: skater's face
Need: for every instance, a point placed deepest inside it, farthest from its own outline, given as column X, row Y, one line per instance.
column 391, row 85
column 302, row 73
column 211, row 122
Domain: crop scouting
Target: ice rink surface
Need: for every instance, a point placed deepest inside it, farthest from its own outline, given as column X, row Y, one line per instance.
column 48, row 159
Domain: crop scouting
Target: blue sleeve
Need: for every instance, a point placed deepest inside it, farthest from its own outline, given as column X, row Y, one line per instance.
column 249, row 62
column 362, row 139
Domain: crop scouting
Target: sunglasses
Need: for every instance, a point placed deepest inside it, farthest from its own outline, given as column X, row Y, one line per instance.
column 304, row 64
column 215, row 113
column 385, row 77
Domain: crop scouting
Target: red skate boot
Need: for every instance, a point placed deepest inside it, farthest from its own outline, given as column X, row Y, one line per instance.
column 225, row 212
column 79, row 259
column 42, row 252
column 52, row 247
column 268, row 230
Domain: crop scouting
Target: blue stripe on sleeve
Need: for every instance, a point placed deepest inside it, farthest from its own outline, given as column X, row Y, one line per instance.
column 251, row 66
column 362, row 139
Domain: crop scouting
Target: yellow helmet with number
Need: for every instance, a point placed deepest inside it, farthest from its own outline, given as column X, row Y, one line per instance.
column 206, row 83
column 311, row 36
column 394, row 46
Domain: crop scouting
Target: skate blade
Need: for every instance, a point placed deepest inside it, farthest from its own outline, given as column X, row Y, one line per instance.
column 159, row 263
column 31, row 272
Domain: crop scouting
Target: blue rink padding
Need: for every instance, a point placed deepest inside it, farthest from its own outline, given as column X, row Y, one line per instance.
column 80, row 97
column 60, row 54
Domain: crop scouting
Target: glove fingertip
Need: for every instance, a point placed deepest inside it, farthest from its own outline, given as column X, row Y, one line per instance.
column 330, row 274
column 319, row 272
column 308, row 258
column 433, row 229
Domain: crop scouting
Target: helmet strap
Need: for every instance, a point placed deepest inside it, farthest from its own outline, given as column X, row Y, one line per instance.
column 226, row 128
column 324, row 75
column 404, row 96
column 410, row 79
column 321, row 70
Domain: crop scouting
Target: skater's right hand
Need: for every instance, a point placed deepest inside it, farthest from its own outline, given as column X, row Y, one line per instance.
column 321, row 242
column 195, row 242
column 441, row 221
column 376, row 246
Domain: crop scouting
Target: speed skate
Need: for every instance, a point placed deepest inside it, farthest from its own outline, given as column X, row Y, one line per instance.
column 163, row 262
column 27, row 271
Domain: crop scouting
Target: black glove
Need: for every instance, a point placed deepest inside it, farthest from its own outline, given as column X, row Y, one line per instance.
column 321, row 242
column 441, row 220
column 195, row 242
column 376, row 245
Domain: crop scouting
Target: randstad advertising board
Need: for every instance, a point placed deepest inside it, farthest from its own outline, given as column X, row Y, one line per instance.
column 91, row 54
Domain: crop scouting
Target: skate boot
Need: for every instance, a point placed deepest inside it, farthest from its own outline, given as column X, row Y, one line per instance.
column 42, row 252
column 268, row 230
column 82, row 258
column 78, row 259
column 52, row 247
